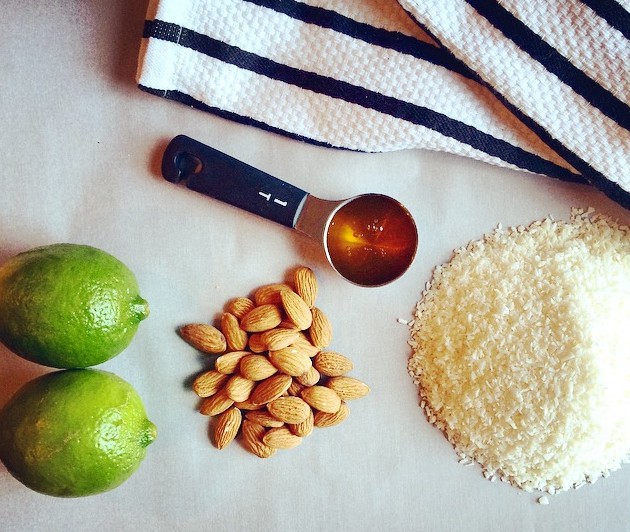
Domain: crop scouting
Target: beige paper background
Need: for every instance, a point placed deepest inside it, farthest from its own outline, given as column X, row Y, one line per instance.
column 80, row 149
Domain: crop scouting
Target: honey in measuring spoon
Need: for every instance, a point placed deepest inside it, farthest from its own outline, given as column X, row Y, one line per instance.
column 371, row 241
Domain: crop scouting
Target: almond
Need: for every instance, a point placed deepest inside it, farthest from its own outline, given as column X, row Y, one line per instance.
column 281, row 438
column 257, row 367
column 229, row 362
column 295, row 388
column 290, row 360
column 321, row 398
column 235, row 337
column 270, row 294
column 255, row 344
column 305, row 345
column 286, row 323
column 289, row 409
column 264, row 418
column 296, row 309
column 240, row 306
column 262, row 318
column 332, row 364
column 272, row 380
column 215, row 404
column 247, row 405
column 270, row 389
column 320, row 330
column 304, row 428
column 310, row 378
column 305, row 285
column 279, row 338
column 253, row 435
column 209, row 383
column 323, row 419
column 239, row 388
column 227, row 427
column 204, row 337
column 348, row 387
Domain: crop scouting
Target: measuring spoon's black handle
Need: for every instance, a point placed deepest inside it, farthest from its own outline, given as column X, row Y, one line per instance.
column 225, row 178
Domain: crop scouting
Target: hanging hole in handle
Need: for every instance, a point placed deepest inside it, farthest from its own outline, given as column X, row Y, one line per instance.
column 187, row 164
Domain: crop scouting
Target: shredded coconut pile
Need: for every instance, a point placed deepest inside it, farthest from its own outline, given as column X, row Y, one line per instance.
column 521, row 351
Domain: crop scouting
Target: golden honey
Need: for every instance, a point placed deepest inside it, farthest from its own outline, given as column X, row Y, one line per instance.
column 371, row 240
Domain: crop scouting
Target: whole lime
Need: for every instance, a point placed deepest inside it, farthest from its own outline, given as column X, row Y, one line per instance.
column 68, row 305
column 75, row 432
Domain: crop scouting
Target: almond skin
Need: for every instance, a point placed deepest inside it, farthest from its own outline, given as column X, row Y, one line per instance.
column 289, row 409
column 247, row 405
column 227, row 427
column 305, row 345
column 204, row 337
column 281, row 438
column 321, row 398
column 209, row 383
column 295, row 388
column 229, row 362
column 239, row 388
column 290, row 360
column 240, row 306
column 270, row 294
column 262, row 318
column 235, row 337
column 310, row 378
column 257, row 367
column 264, row 418
column 323, row 419
column 304, row 428
column 270, row 389
column 320, row 330
column 286, row 323
column 332, row 364
column 216, row 404
column 348, row 387
column 296, row 309
column 306, row 286
column 255, row 344
column 253, row 435
column 279, row 338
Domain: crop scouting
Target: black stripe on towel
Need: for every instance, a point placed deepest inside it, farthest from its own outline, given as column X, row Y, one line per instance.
column 552, row 60
column 597, row 179
column 613, row 13
column 186, row 99
column 393, row 40
column 353, row 94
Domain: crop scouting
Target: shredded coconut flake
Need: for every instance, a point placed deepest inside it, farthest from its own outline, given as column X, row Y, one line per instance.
column 543, row 500
column 521, row 352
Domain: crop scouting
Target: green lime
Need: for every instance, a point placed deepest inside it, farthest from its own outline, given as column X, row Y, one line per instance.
column 68, row 305
column 74, row 432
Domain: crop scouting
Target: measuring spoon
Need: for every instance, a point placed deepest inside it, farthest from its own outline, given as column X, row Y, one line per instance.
column 370, row 239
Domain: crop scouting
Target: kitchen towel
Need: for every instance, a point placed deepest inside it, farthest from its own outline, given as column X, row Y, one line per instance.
column 529, row 84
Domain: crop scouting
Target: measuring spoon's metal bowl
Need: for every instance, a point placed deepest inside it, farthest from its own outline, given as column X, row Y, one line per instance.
column 370, row 239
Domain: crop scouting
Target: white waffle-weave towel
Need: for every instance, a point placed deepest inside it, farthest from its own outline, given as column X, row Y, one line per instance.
column 529, row 84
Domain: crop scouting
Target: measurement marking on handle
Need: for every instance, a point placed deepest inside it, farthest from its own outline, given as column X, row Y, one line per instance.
column 267, row 196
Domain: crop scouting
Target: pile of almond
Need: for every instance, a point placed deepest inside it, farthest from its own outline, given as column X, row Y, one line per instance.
column 273, row 381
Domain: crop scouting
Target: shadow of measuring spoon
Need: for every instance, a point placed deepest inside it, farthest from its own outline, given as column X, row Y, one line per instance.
column 370, row 239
